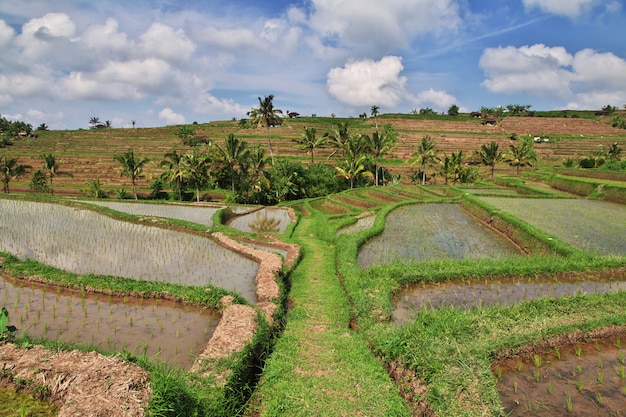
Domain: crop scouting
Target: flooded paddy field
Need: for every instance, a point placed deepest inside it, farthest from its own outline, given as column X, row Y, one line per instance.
column 579, row 379
column 424, row 232
column 272, row 218
column 362, row 223
column 200, row 215
column 85, row 242
column 497, row 292
column 596, row 226
column 165, row 330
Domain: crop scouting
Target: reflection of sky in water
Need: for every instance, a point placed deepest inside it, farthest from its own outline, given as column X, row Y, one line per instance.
column 84, row 242
column 200, row 215
column 243, row 222
column 361, row 224
column 415, row 298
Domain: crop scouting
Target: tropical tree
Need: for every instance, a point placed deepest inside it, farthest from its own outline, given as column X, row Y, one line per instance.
column 185, row 133
column 42, row 127
column 309, row 141
column 453, row 110
column 95, row 189
column 232, row 155
column 380, row 144
column 132, row 167
column 375, row 111
column 615, row 151
column 490, row 155
column 266, row 115
column 174, row 171
column 52, row 168
column 521, row 155
column 195, row 169
column 338, row 137
column 425, row 155
column 94, row 121
column 10, row 169
column 353, row 165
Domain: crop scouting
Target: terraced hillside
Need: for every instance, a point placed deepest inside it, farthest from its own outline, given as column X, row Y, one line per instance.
column 88, row 154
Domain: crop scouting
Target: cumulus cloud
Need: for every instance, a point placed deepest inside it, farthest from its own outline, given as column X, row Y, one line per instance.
column 589, row 79
column 568, row 8
column 107, row 38
column 80, row 86
column 383, row 27
column 163, row 41
column 367, row 82
column 437, row 99
column 538, row 69
column 210, row 105
column 40, row 34
column 6, row 33
column 170, row 117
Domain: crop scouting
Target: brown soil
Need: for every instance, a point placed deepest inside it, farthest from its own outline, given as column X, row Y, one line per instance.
column 82, row 384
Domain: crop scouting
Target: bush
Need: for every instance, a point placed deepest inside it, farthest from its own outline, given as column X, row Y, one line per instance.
column 39, row 182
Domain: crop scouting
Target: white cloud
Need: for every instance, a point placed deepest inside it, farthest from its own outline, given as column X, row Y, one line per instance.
column 439, row 100
column 40, row 35
column 568, row 8
column 383, row 27
column 211, row 105
column 107, row 38
column 149, row 72
column 537, row 68
column 170, row 117
column 599, row 70
column 6, row 33
column 162, row 41
column 368, row 82
column 80, row 86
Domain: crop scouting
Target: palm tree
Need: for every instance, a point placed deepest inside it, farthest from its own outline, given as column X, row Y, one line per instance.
column 490, row 155
column 425, row 155
column 521, row 155
column 52, row 168
column 266, row 115
column 9, row 169
column 131, row 167
column 614, row 151
column 195, row 169
column 174, row 172
column 94, row 121
column 379, row 145
column 308, row 141
column 374, row 111
column 338, row 137
column 233, row 154
column 353, row 166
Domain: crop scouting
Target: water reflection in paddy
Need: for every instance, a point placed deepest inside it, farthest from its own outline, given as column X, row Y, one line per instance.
column 409, row 301
column 167, row 330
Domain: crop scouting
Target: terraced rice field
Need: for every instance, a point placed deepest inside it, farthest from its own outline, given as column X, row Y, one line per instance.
column 595, row 226
column 85, row 242
column 424, row 232
column 251, row 222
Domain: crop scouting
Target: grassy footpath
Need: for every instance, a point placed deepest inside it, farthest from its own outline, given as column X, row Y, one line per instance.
column 320, row 367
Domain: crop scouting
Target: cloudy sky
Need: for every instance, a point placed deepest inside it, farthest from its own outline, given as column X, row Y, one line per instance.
column 164, row 62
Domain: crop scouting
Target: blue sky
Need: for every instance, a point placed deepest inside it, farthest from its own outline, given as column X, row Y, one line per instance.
column 164, row 62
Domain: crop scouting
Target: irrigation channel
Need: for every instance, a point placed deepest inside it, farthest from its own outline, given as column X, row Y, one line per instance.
column 85, row 242
column 423, row 232
column 164, row 330
column 579, row 379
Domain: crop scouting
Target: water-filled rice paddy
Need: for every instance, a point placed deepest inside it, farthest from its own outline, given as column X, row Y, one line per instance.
column 597, row 226
column 424, row 232
column 491, row 191
column 165, row 330
column 85, row 242
column 361, row 224
column 200, row 215
column 587, row 379
column 484, row 293
column 254, row 221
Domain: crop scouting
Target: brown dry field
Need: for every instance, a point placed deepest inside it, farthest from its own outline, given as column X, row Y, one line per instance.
column 88, row 154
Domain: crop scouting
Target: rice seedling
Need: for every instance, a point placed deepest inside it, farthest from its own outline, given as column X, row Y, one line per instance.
column 537, row 360
column 578, row 351
column 579, row 385
column 536, row 374
column 600, row 377
column 569, row 406
column 550, row 387
column 621, row 357
column 557, row 352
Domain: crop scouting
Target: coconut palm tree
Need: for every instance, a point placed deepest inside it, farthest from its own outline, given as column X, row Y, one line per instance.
column 266, row 115
column 94, row 121
column 195, row 167
column 232, row 155
column 174, row 171
column 374, row 111
column 308, row 142
column 9, row 169
column 338, row 137
column 521, row 155
column 52, row 168
column 490, row 155
column 379, row 145
column 132, row 167
column 425, row 155
column 353, row 165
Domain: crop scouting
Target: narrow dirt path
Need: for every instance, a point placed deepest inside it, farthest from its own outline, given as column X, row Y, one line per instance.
column 319, row 366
